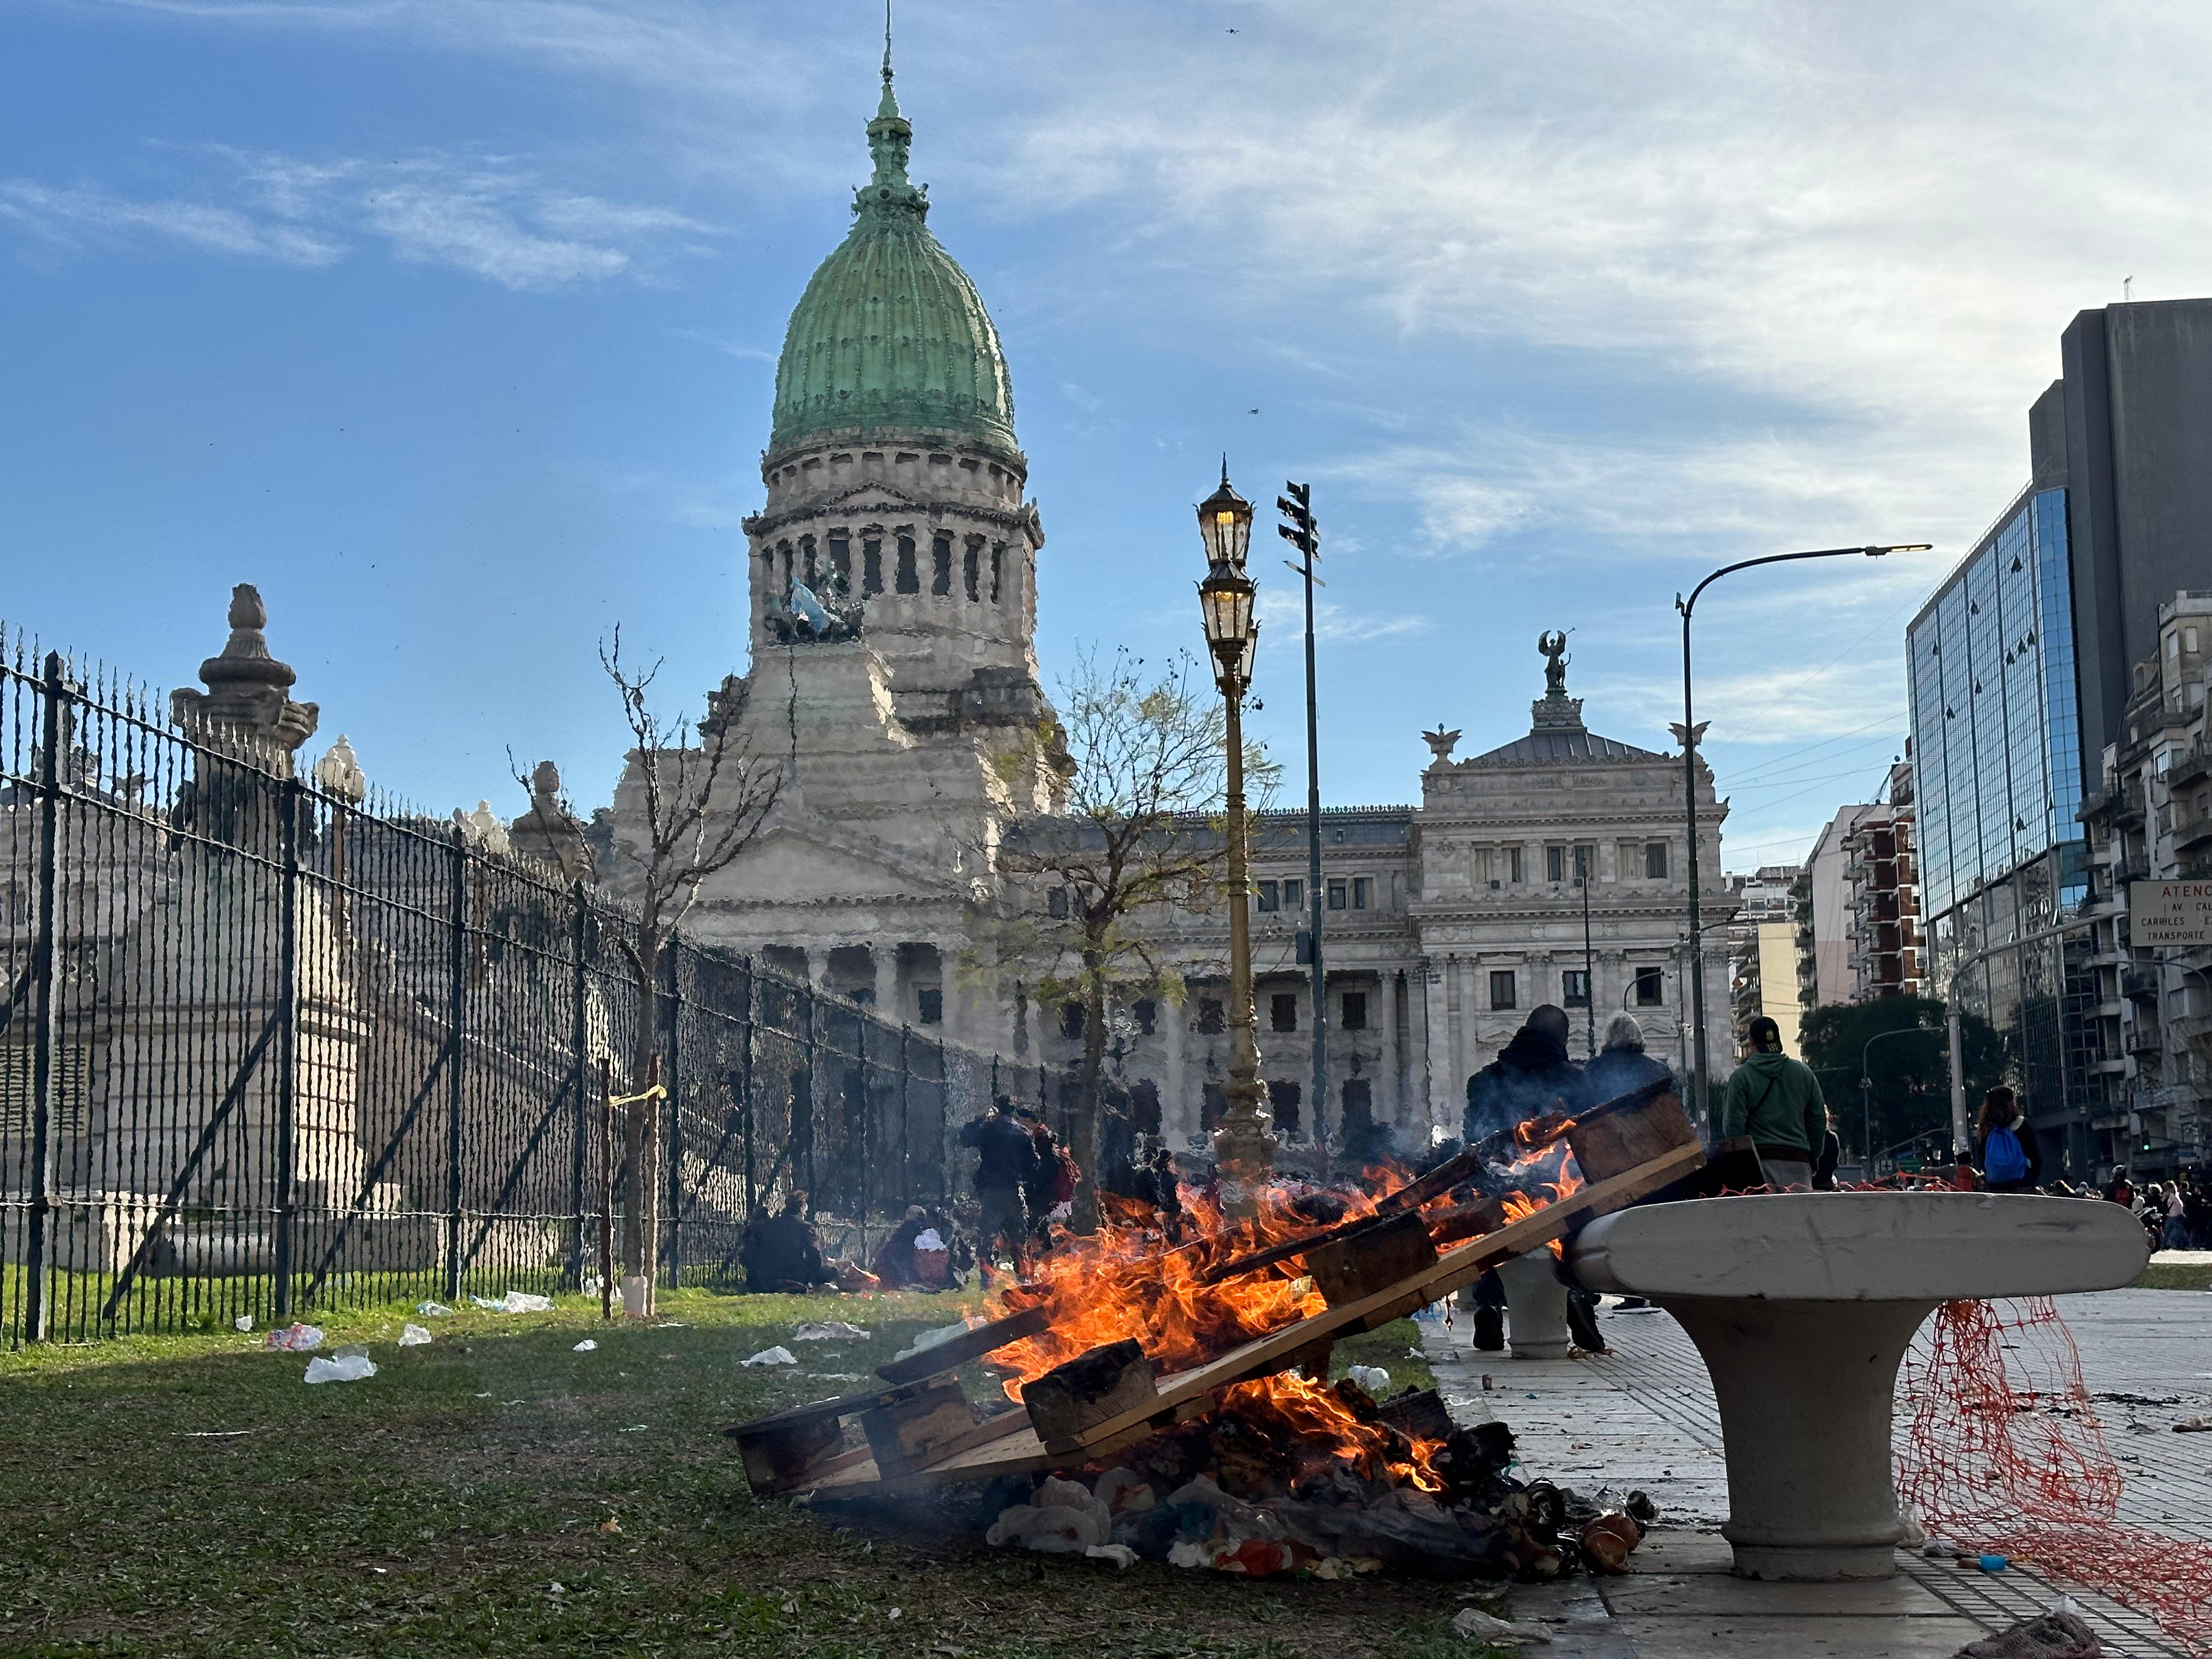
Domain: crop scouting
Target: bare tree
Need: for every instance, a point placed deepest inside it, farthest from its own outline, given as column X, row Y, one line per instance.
column 698, row 806
column 1141, row 831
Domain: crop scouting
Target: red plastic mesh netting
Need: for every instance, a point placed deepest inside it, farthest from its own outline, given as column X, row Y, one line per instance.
column 2004, row 1453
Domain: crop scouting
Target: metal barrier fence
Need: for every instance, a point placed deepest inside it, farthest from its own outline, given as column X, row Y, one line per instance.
column 264, row 1048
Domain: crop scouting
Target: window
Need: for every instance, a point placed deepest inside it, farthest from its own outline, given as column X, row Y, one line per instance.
column 1210, row 1021
column 940, row 564
column 1574, row 988
column 930, row 1009
column 1148, row 1014
column 813, row 572
column 1336, row 896
column 1070, row 1020
column 1655, row 860
column 971, row 568
column 1650, row 987
column 1355, row 1010
column 1513, row 864
column 1501, row 987
column 998, row 563
column 1585, row 863
column 1283, row 1011
column 1270, row 896
column 1285, row 1099
column 910, row 580
column 1363, row 892
column 1145, row 1106
column 871, row 566
column 841, row 558
column 1555, row 864
column 1294, row 896
column 1055, row 903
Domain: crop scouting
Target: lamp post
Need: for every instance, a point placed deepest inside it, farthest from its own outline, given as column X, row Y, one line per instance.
column 1866, row 1089
column 1244, row 1146
column 1687, row 734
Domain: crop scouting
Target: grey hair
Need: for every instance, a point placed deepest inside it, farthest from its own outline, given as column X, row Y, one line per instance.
column 1623, row 1032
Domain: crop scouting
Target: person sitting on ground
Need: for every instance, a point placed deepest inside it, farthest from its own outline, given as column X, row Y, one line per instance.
column 2004, row 1145
column 917, row 1255
column 1622, row 1066
column 781, row 1252
column 1776, row 1101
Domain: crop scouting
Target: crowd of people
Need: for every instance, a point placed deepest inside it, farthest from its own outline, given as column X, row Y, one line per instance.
column 1025, row 1181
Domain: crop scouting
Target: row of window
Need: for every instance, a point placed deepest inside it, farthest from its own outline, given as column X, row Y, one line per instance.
column 980, row 563
column 1285, row 1007
column 1345, row 893
column 1650, row 990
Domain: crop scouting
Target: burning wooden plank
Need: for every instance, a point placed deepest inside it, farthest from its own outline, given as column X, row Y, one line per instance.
column 1192, row 1393
column 1106, row 1383
column 1361, row 1263
column 957, row 1351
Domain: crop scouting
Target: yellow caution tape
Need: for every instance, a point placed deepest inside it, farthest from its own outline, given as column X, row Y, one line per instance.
column 658, row 1092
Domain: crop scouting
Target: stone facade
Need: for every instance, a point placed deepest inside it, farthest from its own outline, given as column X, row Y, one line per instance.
column 892, row 578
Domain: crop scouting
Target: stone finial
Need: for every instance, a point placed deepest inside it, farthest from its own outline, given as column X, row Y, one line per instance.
column 246, row 686
column 545, row 788
column 548, row 832
column 1440, row 744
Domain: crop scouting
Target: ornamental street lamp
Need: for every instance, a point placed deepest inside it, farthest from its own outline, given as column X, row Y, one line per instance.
column 1687, row 734
column 1244, row 1146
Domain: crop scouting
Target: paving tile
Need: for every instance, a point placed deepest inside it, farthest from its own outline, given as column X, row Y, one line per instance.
column 1705, row 1636
column 1649, row 1593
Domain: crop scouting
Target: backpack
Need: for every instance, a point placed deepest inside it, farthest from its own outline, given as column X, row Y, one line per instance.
column 2002, row 1158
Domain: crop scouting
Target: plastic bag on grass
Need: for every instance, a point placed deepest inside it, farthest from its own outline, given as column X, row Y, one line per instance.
column 777, row 1356
column 343, row 1368
column 434, row 1310
column 413, row 1336
column 826, row 1330
column 300, row 1339
column 515, row 1302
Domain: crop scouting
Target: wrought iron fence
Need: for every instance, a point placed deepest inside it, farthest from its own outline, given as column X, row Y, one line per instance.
column 264, row 1048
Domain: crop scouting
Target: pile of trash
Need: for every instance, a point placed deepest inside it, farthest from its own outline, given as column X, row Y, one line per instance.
column 1244, row 1490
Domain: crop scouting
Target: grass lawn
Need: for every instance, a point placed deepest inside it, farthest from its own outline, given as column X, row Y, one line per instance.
column 2176, row 1276
column 496, row 1492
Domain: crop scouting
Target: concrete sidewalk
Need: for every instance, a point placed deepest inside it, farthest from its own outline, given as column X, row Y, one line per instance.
column 1642, row 1416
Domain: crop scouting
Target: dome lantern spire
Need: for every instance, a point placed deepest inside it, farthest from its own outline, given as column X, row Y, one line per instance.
column 890, row 139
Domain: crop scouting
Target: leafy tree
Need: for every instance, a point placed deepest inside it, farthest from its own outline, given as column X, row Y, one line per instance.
column 1140, row 830
column 1911, row 1073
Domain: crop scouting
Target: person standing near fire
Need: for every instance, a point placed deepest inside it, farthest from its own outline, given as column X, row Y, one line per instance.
column 1777, row 1101
column 1007, row 1164
column 1531, row 1078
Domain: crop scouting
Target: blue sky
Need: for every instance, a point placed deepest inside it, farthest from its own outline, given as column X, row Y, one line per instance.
column 452, row 324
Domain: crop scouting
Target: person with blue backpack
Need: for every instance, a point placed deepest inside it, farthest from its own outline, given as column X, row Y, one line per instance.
column 2005, row 1142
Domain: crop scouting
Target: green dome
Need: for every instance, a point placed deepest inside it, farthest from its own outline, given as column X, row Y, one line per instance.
column 890, row 333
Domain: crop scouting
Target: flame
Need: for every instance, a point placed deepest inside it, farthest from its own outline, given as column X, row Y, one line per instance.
column 1315, row 1412
column 1127, row 1280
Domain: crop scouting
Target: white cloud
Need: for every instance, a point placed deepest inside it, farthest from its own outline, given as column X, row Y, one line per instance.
column 490, row 218
column 71, row 216
column 1282, row 608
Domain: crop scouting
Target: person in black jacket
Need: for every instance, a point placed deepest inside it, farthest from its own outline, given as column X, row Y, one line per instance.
column 1008, row 1163
column 1621, row 1066
column 781, row 1252
column 1531, row 1076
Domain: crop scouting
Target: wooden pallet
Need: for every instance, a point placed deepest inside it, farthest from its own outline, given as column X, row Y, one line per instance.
column 1014, row 1446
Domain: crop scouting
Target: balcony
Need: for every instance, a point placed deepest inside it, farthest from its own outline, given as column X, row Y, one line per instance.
column 2192, row 832
column 2139, row 984
column 2146, row 1039
column 2128, row 810
column 2193, row 764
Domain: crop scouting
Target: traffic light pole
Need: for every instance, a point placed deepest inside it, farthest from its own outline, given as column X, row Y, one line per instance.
column 1297, row 508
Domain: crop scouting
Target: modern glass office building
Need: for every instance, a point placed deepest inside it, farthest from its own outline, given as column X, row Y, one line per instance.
column 1996, row 734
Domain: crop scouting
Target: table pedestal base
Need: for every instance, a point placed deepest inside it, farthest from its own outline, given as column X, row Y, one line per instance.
column 1804, row 1389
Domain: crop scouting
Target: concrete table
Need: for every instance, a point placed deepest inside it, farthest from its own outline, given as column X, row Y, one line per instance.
column 1803, row 1305
column 1535, row 1306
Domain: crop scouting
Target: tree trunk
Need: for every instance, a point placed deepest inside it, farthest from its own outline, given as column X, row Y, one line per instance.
column 639, row 1186
column 1082, row 1132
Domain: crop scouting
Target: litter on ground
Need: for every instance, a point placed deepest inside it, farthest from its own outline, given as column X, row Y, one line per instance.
column 585, row 1347
column 826, row 1330
column 777, row 1356
column 412, row 1335
column 343, row 1368
column 299, row 1339
column 515, row 1302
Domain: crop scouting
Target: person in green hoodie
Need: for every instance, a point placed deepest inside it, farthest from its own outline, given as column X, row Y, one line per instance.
column 1776, row 1101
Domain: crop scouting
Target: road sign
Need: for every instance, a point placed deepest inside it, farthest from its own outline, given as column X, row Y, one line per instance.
column 2170, row 912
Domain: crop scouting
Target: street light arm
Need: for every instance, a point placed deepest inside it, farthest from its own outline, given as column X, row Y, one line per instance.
column 1689, row 605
